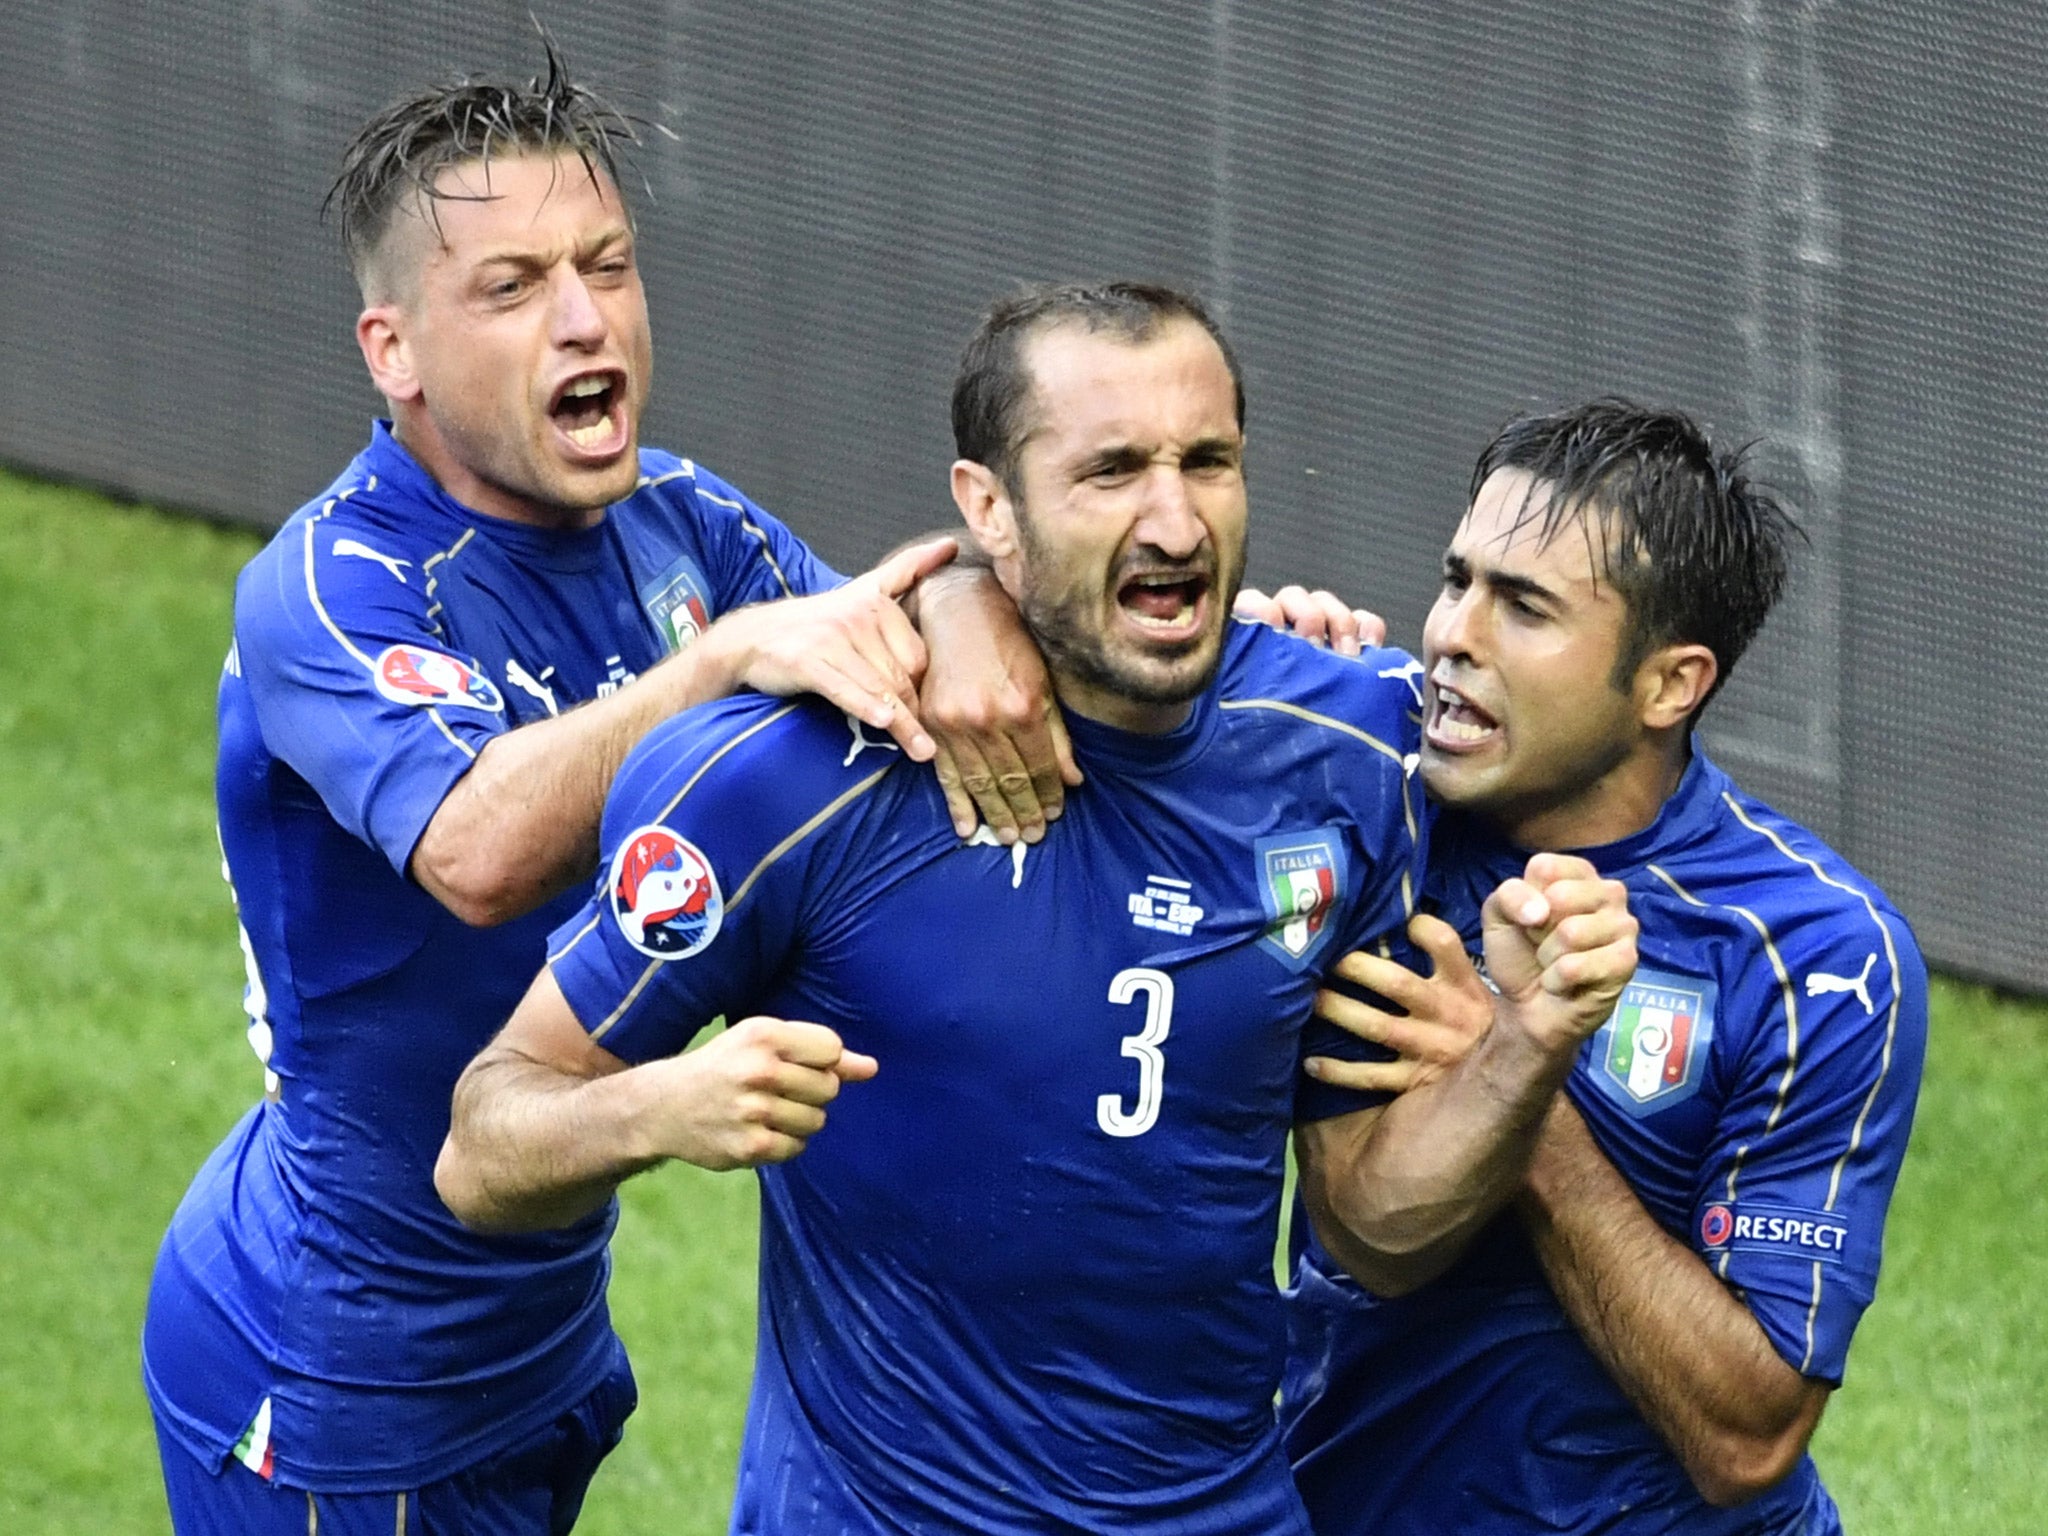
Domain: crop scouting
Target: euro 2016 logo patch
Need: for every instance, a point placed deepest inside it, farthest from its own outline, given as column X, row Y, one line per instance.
column 1301, row 880
column 412, row 674
column 679, row 603
column 663, row 894
column 1653, row 1052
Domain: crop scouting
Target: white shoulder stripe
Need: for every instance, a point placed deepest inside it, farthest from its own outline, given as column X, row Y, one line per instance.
column 686, row 471
column 313, row 585
column 1891, row 1021
column 748, row 525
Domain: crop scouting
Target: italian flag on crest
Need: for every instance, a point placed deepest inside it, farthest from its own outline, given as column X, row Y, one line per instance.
column 253, row 1450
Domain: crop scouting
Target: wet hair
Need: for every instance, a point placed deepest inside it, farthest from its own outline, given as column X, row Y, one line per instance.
column 1696, row 548
column 397, row 157
column 993, row 385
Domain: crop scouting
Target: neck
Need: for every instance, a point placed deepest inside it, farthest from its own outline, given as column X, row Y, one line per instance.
column 415, row 433
column 1093, row 702
column 1619, row 803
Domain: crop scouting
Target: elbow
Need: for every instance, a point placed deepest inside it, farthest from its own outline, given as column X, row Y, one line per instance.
column 481, row 893
column 1389, row 1258
column 457, row 1189
column 1740, row 1467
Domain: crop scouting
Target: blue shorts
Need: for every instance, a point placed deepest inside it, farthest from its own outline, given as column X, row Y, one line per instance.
column 532, row 1488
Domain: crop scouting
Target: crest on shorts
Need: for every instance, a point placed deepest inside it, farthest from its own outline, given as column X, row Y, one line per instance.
column 679, row 602
column 412, row 674
column 664, row 895
column 1652, row 1052
column 1301, row 880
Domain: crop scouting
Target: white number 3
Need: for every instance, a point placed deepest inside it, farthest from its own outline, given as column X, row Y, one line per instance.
column 1157, row 990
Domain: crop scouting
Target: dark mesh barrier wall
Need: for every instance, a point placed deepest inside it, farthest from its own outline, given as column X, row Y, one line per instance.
column 1817, row 224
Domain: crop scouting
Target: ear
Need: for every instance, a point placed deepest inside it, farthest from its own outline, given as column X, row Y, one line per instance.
column 381, row 334
column 1672, row 683
column 985, row 504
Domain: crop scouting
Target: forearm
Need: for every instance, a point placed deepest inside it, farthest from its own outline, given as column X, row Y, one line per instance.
column 531, row 1147
column 1690, row 1356
column 521, row 826
column 1395, row 1198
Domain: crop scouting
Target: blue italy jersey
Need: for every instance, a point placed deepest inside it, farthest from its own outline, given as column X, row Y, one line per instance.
column 1755, row 1087
column 314, row 1304
column 1022, row 1281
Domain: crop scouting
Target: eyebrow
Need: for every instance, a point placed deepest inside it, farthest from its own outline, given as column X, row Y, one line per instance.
column 1129, row 456
column 1504, row 582
column 527, row 259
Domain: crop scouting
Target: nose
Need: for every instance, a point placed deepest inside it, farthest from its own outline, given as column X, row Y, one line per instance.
column 1455, row 624
column 1169, row 522
column 575, row 318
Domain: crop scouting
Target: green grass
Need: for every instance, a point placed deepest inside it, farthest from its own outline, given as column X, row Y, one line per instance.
column 122, row 1061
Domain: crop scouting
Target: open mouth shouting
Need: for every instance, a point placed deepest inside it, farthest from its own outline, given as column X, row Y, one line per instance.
column 589, row 414
column 1454, row 723
column 1171, row 606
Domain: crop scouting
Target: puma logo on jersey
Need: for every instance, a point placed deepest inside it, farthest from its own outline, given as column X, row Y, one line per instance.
column 363, row 551
column 1410, row 674
column 984, row 837
column 1820, row 984
column 527, row 683
column 862, row 741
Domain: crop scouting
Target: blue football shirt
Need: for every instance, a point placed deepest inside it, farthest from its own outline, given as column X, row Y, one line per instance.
column 1755, row 1087
column 314, row 1306
column 1022, row 1281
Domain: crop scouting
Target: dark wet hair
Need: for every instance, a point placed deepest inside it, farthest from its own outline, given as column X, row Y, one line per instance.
column 992, row 387
column 399, row 154
column 1696, row 548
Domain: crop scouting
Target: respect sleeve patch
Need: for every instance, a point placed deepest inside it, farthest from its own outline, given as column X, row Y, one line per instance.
column 1725, row 1227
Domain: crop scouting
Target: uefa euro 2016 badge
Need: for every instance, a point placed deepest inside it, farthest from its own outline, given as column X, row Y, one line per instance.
column 664, row 895
column 1301, row 880
column 1652, row 1053
column 412, row 674
column 679, row 602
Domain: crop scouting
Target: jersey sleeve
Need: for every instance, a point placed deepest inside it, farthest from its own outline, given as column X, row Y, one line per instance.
column 1391, row 846
column 354, row 687
column 1791, row 1205
column 753, row 556
column 703, row 874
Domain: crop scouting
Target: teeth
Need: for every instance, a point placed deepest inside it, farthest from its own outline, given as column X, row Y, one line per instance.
column 1152, row 623
column 1447, row 727
column 583, row 387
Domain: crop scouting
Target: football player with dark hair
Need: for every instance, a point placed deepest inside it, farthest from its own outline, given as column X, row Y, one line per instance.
column 1017, row 1276
column 1645, row 1343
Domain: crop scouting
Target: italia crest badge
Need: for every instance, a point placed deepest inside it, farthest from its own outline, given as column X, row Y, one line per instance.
column 679, row 603
column 1652, row 1053
column 1301, row 880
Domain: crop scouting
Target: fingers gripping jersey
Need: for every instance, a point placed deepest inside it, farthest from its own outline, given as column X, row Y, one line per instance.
column 314, row 1304
column 1022, row 1281
column 1755, row 1087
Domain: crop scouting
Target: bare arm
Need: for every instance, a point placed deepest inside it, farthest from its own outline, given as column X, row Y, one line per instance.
column 1395, row 1192
column 547, row 1124
column 521, row 826
column 1688, row 1353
